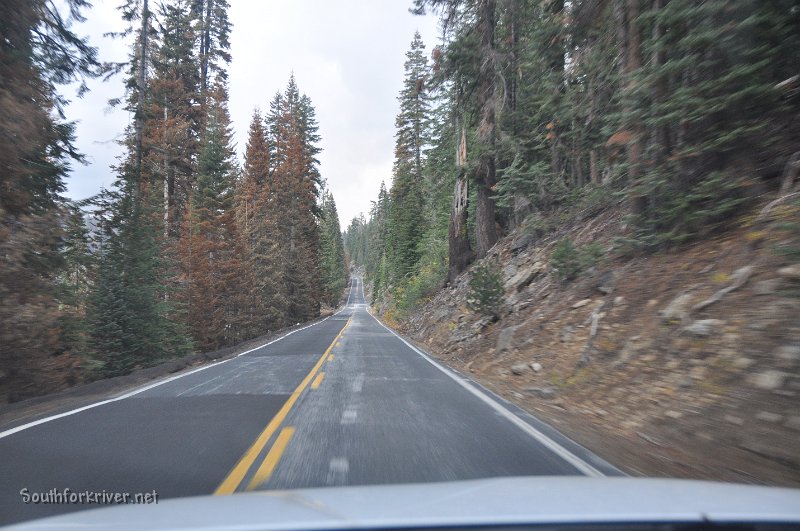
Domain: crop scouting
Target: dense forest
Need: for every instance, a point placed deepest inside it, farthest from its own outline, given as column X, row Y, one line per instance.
column 187, row 250
column 676, row 111
column 679, row 112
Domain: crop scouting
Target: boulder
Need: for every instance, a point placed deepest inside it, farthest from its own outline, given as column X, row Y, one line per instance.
column 524, row 276
column 791, row 272
column 536, row 367
column 767, row 287
column 703, row 327
column 521, row 242
column 605, row 284
column 678, row 309
column 566, row 333
column 581, row 303
column 519, row 369
column 541, row 392
column 769, row 380
column 481, row 323
column 505, row 339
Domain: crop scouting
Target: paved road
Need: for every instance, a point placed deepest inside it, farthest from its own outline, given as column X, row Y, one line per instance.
column 344, row 401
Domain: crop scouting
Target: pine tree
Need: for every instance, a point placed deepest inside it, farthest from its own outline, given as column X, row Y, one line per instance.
column 332, row 257
column 38, row 52
column 213, row 30
column 257, row 223
column 294, row 187
column 216, row 296
column 173, row 116
column 132, row 320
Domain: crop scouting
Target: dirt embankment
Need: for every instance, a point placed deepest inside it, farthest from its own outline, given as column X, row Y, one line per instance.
column 683, row 363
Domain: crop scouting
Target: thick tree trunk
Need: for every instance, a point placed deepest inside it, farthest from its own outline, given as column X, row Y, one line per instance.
column 485, row 228
column 459, row 249
column 634, row 148
column 485, row 225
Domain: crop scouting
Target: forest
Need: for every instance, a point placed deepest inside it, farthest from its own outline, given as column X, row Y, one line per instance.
column 680, row 113
column 188, row 250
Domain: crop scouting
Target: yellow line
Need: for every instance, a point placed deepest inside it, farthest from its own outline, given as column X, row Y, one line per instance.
column 330, row 358
column 317, row 381
column 271, row 461
column 237, row 474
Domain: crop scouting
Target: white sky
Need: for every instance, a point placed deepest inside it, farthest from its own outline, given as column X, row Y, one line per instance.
column 347, row 55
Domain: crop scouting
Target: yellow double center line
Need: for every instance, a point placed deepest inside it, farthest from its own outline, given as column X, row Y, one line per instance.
column 238, row 473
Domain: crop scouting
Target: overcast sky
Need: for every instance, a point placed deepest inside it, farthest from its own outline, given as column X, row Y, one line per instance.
column 347, row 55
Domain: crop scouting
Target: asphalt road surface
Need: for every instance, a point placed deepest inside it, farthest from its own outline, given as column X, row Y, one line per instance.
column 343, row 401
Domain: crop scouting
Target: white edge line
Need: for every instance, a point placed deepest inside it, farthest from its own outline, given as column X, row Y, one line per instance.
column 18, row 429
column 546, row 441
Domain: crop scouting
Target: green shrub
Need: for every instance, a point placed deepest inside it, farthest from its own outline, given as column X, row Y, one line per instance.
column 565, row 259
column 570, row 261
column 676, row 213
column 415, row 290
column 486, row 289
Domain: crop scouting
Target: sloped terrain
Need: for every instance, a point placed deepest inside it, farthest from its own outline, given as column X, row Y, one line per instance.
column 684, row 363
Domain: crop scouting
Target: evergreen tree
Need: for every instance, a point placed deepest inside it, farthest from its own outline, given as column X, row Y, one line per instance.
column 258, row 227
column 216, row 296
column 38, row 52
column 173, row 116
column 132, row 320
column 332, row 258
column 293, row 187
column 708, row 110
column 213, row 30
column 376, row 237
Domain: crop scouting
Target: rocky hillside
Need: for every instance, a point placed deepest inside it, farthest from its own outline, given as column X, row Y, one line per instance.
column 684, row 363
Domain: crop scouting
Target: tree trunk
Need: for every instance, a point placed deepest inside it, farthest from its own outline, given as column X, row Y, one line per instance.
column 459, row 249
column 166, row 186
column 634, row 148
column 556, row 66
column 661, row 89
column 205, row 47
column 485, row 229
column 141, row 80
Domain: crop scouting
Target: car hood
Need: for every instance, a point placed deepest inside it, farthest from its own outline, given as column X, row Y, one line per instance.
column 501, row 501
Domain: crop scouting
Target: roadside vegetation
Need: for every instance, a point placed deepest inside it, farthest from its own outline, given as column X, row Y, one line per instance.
column 531, row 114
column 187, row 250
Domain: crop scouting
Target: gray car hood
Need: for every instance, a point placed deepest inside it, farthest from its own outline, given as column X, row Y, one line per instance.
column 502, row 501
